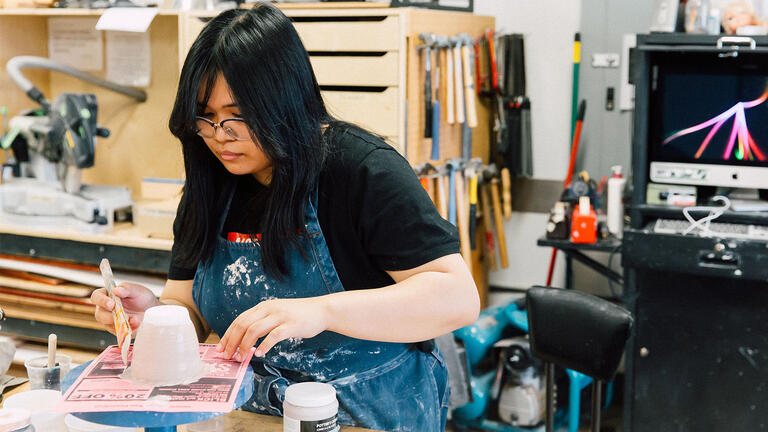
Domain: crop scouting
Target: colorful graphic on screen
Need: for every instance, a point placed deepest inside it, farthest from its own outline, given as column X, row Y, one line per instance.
column 740, row 144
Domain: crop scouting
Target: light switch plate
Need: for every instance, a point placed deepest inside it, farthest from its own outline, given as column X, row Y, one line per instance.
column 606, row 60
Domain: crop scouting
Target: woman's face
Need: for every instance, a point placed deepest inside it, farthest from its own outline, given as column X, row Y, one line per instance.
column 238, row 157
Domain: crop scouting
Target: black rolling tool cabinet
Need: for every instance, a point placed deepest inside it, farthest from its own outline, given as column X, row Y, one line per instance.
column 697, row 359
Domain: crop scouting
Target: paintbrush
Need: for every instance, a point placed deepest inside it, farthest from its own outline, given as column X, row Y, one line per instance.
column 122, row 328
column 53, row 374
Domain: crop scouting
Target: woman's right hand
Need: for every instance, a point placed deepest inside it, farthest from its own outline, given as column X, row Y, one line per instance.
column 135, row 298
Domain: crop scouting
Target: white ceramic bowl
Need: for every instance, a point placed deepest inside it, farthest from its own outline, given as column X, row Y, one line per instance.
column 41, row 404
column 166, row 351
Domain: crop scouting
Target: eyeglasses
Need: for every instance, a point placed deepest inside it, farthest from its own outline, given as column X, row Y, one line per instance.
column 234, row 127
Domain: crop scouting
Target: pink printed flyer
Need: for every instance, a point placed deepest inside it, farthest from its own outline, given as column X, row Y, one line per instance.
column 100, row 389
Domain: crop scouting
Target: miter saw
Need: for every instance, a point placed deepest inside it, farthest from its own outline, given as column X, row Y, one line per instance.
column 42, row 180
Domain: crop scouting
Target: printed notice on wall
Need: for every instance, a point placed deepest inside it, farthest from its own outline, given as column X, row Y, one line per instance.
column 128, row 58
column 75, row 42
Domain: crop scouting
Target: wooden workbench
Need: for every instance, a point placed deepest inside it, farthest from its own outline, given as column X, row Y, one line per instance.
column 235, row 421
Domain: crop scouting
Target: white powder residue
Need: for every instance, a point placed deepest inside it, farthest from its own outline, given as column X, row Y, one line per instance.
column 237, row 273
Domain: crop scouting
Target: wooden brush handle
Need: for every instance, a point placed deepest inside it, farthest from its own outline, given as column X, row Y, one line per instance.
column 506, row 193
column 499, row 224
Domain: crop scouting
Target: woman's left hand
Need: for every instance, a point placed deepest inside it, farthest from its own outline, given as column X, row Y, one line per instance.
column 277, row 319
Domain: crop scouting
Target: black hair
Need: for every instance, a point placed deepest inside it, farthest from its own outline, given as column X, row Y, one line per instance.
column 262, row 59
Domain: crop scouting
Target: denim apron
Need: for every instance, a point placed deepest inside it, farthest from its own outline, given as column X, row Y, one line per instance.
column 379, row 385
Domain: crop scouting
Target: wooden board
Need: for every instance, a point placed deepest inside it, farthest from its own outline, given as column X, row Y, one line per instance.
column 124, row 234
column 67, row 289
column 46, row 296
column 12, row 299
column 67, row 318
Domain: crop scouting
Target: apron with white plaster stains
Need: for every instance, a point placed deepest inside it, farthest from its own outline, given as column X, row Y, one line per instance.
column 384, row 386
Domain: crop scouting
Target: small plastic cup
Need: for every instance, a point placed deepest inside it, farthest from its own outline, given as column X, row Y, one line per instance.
column 166, row 351
column 41, row 403
column 43, row 377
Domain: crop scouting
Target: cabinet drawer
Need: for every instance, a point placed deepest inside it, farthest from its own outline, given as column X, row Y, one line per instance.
column 324, row 35
column 356, row 70
column 376, row 111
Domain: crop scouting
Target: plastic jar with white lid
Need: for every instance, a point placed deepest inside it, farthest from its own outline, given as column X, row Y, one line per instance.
column 310, row 406
column 15, row 420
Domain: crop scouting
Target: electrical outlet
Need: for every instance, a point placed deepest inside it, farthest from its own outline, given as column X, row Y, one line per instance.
column 606, row 60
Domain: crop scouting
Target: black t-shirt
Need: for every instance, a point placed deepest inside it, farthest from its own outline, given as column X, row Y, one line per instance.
column 371, row 207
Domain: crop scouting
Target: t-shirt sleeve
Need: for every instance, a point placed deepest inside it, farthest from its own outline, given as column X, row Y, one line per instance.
column 178, row 271
column 399, row 225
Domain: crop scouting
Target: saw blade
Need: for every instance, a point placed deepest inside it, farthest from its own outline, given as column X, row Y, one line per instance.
column 120, row 319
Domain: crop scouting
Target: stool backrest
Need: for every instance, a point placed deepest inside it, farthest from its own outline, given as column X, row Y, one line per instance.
column 577, row 331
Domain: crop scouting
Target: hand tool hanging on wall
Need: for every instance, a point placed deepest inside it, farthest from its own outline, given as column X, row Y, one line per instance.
column 467, row 55
column 428, row 40
column 444, row 44
column 425, row 172
column 452, row 165
column 506, row 195
column 471, row 174
column 458, row 77
column 490, row 250
column 515, row 145
column 441, row 179
column 436, row 107
column 490, row 173
column 470, row 113
column 487, row 69
column 462, row 210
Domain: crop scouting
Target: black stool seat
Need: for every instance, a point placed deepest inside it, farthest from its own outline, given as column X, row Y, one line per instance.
column 577, row 331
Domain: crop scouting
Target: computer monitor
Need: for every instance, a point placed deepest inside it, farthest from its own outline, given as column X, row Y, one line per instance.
column 708, row 119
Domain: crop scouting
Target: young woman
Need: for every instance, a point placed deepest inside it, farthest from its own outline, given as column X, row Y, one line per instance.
column 305, row 236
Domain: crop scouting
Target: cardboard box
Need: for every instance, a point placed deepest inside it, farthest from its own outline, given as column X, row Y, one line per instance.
column 153, row 188
column 154, row 218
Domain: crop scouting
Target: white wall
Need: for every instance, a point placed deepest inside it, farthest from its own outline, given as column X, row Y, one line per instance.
column 549, row 27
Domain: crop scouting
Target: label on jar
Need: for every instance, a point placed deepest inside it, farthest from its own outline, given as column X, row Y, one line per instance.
column 328, row 425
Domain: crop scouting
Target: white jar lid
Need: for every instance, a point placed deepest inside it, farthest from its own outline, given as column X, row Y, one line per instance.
column 14, row 418
column 310, row 394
